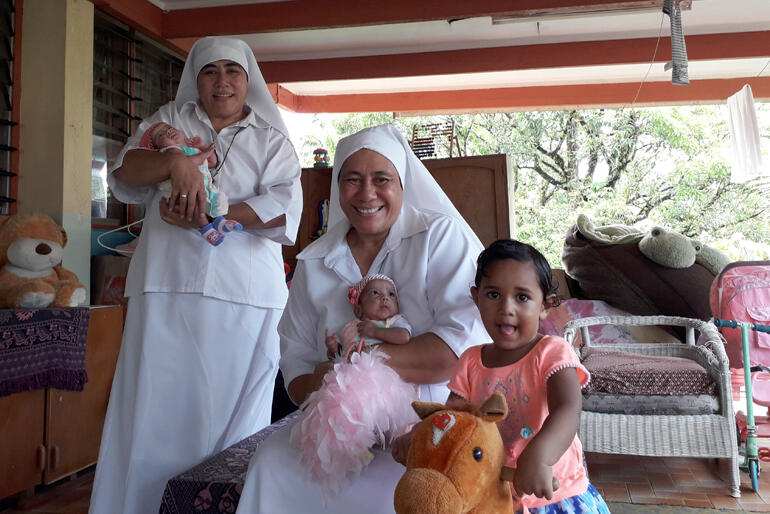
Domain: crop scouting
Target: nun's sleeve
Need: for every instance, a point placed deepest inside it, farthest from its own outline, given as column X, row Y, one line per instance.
column 280, row 191
column 298, row 328
column 450, row 273
column 128, row 194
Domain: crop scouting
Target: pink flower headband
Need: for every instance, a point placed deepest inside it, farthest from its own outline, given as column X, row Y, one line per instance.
column 355, row 291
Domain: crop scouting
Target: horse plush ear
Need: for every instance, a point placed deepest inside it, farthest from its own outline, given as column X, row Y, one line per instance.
column 425, row 409
column 494, row 409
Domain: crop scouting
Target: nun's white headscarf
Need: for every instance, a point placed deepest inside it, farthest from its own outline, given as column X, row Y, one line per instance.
column 421, row 190
column 214, row 48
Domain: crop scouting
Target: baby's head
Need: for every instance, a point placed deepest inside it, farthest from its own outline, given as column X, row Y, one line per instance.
column 160, row 135
column 165, row 135
column 374, row 298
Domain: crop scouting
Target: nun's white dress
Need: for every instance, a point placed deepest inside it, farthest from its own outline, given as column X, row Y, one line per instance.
column 200, row 349
column 430, row 254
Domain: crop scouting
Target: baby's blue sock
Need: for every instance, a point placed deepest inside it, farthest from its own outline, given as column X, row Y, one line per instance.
column 211, row 234
column 224, row 225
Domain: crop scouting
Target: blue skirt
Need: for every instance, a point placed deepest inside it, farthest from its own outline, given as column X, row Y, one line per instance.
column 586, row 503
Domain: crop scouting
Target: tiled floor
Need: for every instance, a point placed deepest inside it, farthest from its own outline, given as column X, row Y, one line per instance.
column 620, row 478
column 674, row 481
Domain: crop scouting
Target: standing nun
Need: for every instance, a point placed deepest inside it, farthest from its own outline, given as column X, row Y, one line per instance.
column 200, row 348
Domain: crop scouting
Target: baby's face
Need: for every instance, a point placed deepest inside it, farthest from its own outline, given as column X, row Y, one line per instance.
column 166, row 135
column 378, row 300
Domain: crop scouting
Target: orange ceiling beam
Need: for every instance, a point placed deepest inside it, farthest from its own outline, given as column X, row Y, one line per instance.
column 527, row 98
column 589, row 53
column 315, row 14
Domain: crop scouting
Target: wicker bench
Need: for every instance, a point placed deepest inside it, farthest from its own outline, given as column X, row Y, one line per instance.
column 708, row 435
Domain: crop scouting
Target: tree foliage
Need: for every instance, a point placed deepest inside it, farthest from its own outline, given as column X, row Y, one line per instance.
column 643, row 167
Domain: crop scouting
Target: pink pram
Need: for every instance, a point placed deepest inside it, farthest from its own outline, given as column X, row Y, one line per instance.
column 741, row 292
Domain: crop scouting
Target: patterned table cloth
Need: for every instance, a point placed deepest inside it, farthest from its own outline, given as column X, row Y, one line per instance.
column 42, row 348
column 215, row 485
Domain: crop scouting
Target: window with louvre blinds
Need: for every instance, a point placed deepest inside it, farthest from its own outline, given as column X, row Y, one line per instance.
column 7, row 125
column 133, row 77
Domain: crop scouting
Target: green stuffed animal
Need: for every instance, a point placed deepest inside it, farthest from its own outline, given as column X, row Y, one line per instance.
column 673, row 250
column 661, row 246
column 669, row 249
column 712, row 258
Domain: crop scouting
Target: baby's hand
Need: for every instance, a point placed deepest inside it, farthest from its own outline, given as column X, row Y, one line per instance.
column 349, row 333
column 332, row 345
column 195, row 142
column 366, row 328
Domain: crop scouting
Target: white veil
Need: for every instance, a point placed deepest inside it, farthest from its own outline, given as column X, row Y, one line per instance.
column 421, row 190
column 214, row 48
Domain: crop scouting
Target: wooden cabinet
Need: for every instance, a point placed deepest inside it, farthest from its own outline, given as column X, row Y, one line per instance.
column 50, row 433
column 477, row 186
column 316, row 184
column 22, row 452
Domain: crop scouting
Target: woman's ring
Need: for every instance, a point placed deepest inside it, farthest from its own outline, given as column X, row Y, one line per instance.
column 182, row 196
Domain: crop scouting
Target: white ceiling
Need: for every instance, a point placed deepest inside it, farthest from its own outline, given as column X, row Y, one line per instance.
column 704, row 17
column 697, row 70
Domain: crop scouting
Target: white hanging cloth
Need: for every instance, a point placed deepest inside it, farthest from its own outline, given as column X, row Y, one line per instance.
column 744, row 134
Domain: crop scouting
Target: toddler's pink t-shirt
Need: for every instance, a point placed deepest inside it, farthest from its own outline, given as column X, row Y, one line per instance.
column 524, row 386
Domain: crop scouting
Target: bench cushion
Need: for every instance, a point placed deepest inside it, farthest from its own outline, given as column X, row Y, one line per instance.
column 650, row 404
column 622, row 373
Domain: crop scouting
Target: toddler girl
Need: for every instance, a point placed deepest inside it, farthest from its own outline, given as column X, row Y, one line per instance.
column 540, row 377
column 162, row 136
column 375, row 305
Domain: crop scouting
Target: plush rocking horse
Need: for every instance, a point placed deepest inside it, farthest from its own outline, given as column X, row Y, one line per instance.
column 455, row 462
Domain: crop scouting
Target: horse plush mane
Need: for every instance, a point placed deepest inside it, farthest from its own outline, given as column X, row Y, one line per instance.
column 455, row 461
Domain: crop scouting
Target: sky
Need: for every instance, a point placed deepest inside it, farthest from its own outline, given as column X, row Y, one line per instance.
column 301, row 125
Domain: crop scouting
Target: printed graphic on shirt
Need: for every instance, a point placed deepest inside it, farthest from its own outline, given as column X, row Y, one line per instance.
column 517, row 424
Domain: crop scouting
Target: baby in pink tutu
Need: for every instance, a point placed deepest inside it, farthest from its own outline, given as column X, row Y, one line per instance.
column 375, row 305
column 362, row 402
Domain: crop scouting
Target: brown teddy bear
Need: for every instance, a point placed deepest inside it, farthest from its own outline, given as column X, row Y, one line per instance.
column 30, row 253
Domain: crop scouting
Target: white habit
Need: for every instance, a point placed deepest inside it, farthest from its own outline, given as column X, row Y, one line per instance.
column 200, row 349
column 431, row 256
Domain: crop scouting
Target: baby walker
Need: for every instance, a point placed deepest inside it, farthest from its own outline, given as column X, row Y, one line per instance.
column 757, row 391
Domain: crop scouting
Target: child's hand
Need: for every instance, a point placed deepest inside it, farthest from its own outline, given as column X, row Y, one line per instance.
column 534, row 477
column 332, row 345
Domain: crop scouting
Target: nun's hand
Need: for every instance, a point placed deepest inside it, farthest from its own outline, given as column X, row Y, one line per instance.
column 176, row 216
column 187, row 189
